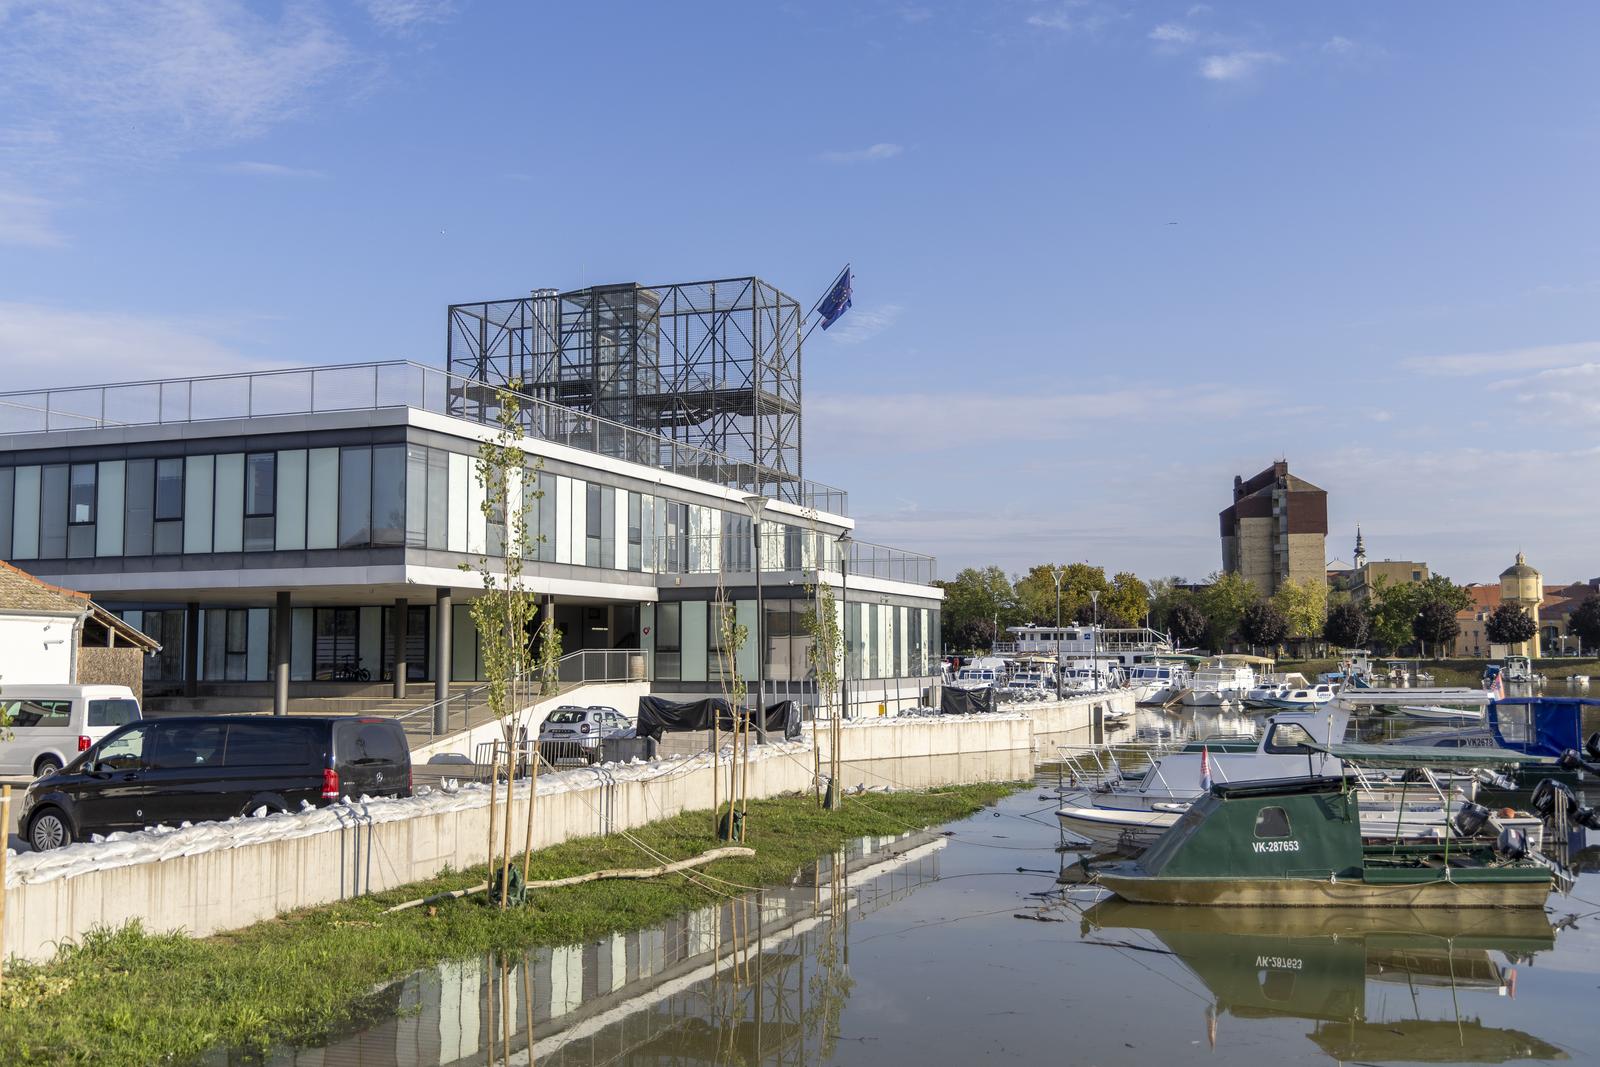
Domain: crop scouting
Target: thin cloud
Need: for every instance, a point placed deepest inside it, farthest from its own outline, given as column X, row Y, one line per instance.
column 1052, row 20
column 45, row 346
column 401, row 16
column 864, row 323
column 27, row 221
column 258, row 169
column 1236, row 66
column 914, row 14
column 1536, row 357
column 1572, row 391
column 1172, row 33
column 870, row 154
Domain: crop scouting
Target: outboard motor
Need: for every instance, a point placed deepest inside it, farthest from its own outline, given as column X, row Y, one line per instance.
column 1587, row 816
column 1512, row 844
column 1469, row 819
column 1548, row 795
column 1570, row 760
column 1592, row 746
column 1495, row 780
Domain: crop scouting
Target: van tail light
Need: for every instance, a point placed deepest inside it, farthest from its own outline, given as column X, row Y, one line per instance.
column 330, row 784
column 84, row 742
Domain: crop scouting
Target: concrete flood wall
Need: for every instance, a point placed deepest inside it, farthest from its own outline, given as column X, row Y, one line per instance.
column 203, row 881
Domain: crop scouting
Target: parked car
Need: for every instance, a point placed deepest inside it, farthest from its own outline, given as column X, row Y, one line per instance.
column 572, row 732
column 51, row 724
column 201, row 768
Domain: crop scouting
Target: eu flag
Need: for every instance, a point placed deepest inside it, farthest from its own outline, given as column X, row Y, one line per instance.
column 837, row 302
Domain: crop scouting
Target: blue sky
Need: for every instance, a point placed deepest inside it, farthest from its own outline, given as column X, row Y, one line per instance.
column 1108, row 255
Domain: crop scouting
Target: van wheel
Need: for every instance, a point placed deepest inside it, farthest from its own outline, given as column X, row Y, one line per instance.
column 49, row 830
column 47, row 765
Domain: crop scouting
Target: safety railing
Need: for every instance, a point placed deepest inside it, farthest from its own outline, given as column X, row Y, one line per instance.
column 783, row 548
column 388, row 384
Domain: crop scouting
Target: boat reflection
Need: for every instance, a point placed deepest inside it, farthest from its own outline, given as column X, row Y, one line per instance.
column 1318, row 965
column 761, row 978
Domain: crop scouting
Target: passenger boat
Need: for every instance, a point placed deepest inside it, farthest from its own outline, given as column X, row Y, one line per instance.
column 1157, row 683
column 1223, row 683
column 1298, row 843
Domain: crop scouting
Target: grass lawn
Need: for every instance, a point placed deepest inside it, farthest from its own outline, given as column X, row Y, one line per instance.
column 127, row 997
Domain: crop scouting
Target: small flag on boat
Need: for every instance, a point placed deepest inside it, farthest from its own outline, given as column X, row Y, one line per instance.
column 1205, row 768
column 837, row 302
column 1497, row 688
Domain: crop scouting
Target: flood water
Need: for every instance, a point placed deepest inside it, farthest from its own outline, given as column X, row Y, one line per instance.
column 959, row 946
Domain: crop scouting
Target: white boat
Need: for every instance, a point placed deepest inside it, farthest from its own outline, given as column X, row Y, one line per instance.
column 1157, row 683
column 1270, row 687
column 1518, row 669
column 1306, row 697
column 1224, row 684
column 1124, row 647
column 977, row 678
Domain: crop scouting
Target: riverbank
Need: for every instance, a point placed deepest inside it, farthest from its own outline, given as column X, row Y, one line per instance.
column 125, row 997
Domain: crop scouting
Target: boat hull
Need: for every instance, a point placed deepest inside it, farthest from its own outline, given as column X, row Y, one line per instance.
column 1127, row 882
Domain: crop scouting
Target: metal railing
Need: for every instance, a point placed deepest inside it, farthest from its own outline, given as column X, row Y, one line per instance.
column 471, row 708
column 387, row 384
column 783, row 548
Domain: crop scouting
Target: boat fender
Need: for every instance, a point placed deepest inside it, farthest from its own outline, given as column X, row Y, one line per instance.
column 1512, row 844
column 1547, row 794
column 1470, row 818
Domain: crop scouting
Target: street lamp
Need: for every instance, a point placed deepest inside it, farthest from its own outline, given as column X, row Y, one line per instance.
column 1094, row 646
column 1056, row 573
column 844, row 621
column 756, row 505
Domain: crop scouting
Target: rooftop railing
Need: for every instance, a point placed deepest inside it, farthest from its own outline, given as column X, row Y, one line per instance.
column 391, row 384
column 783, row 549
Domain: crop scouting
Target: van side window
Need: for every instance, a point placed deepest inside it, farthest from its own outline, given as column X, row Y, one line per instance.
column 123, row 752
column 118, row 711
column 1289, row 737
column 176, row 746
column 1272, row 822
column 252, row 745
column 41, row 714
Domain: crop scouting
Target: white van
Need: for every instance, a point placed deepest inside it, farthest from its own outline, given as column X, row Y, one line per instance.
column 46, row 726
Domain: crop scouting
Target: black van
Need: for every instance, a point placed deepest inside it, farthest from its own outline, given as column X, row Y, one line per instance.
column 201, row 768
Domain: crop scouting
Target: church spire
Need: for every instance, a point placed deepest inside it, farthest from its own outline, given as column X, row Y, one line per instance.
column 1361, row 549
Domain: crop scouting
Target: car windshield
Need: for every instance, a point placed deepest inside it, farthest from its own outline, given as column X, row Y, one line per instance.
column 565, row 717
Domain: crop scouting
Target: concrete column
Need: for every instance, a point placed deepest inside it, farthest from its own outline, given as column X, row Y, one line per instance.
column 283, row 640
column 398, row 636
column 191, row 649
column 441, row 661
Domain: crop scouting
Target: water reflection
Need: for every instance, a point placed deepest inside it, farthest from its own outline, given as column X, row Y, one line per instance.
column 761, row 978
column 1320, row 964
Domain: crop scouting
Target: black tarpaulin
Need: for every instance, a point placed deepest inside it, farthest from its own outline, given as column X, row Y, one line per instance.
column 953, row 701
column 657, row 715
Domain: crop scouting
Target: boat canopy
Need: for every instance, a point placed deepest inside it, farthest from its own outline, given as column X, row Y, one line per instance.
column 1425, row 756
column 1231, row 658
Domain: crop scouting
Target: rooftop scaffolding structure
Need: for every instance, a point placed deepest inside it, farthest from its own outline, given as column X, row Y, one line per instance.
column 714, row 365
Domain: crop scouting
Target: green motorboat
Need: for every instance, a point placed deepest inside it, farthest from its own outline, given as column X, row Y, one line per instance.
column 1297, row 843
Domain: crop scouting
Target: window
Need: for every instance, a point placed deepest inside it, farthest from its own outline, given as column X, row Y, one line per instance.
column 260, row 502
column 334, row 643
column 116, row 711
column 355, row 497
column 7, row 486
column 43, row 714
column 53, row 513
column 1272, row 822
column 592, row 525
column 361, row 742
column 80, row 495
column 169, row 489
column 389, row 495
column 438, row 494
column 259, row 745
column 635, row 533
column 199, row 481
column 228, row 503
column 669, row 649
column 124, row 751
column 289, row 472
column 1289, row 738
column 177, row 747
column 416, row 496
column 109, row 507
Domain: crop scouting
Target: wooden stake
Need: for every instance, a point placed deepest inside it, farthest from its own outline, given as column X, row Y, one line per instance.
column 5, row 821
column 527, row 841
column 527, row 1001
column 505, row 852
column 716, row 773
column 494, row 794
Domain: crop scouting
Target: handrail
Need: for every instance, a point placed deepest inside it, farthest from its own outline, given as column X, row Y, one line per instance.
column 575, row 668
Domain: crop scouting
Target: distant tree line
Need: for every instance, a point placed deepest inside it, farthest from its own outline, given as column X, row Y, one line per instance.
column 1227, row 612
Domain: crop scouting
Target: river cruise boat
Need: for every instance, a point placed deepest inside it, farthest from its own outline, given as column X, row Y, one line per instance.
column 1123, row 647
column 1298, row 843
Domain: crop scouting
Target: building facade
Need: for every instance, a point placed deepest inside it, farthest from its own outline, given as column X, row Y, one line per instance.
column 323, row 529
column 1276, row 530
column 1522, row 585
column 55, row 636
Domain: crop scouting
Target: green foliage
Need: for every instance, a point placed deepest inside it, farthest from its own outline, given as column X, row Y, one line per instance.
column 1436, row 625
column 1127, row 602
column 129, row 997
column 1348, row 626
column 1187, row 624
column 1262, row 625
column 976, row 596
column 1224, row 601
column 1304, row 605
column 1165, row 596
column 1585, row 621
column 1394, row 606
column 825, row 653
column 1510, row 624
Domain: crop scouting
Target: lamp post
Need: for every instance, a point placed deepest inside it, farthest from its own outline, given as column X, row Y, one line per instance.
column 757, row 504
column 1094, row 646
column 844, row 621
column 1056, row 573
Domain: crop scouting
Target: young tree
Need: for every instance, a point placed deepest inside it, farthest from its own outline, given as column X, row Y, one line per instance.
column 1262, row 625
column 974, row 635
column 1187, row 624
column 1510, row 624
column 1165, row 595
column 976, row 596
column 1223, row 602
column 1585, row 622
column 1392, row 607
column 1347, row 626
column 1127, row 601
column 1305, row 605
column 1435, row 625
